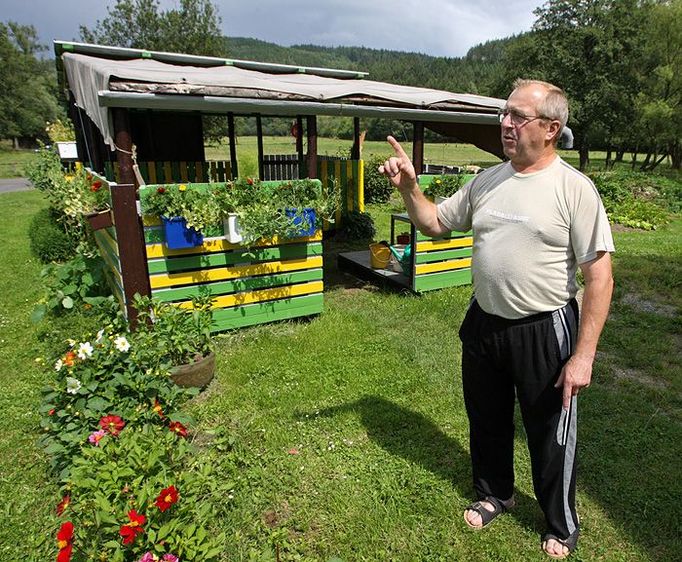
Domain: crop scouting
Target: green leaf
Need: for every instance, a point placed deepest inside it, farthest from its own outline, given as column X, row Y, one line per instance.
column 38, row 313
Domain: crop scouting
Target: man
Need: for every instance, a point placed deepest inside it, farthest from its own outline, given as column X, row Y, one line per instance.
column 535, row 220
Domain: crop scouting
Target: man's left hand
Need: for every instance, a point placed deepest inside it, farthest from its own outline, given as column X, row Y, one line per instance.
column 576, row 374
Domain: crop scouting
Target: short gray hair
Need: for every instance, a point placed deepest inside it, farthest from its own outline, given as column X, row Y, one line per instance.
column 554, row 105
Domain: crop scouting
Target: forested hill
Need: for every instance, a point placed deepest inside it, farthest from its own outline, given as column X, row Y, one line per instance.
column 475, row 73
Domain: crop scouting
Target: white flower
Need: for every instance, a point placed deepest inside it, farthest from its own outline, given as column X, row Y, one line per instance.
column 58, row 365
column 72, row 385
column 122, row 344
column 85, row 350
column 71, row 342
column 100, row 336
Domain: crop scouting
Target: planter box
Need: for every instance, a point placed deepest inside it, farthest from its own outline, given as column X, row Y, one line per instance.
column 100, row 219
column 304, row 221
column 199, row 373
column 178, row 235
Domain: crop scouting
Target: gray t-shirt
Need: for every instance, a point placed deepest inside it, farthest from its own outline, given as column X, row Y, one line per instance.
column 530, row 233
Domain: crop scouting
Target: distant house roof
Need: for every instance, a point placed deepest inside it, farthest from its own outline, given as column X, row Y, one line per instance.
column 102, row 77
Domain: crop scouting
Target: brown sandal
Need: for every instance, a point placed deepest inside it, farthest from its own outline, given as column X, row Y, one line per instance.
column 487, row 516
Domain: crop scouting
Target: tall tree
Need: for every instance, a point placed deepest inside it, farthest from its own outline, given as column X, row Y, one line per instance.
column 591, row 49
column 193, row 28
column 27, row 96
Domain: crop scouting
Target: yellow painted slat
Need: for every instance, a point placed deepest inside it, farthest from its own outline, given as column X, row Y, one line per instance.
column 221, row 244
column 199, row 172
column 445, row 244
column 151, row 169
column 220, row 273
column 151, row 220
column 250, row 297
column 442, row 266
column 361, row 186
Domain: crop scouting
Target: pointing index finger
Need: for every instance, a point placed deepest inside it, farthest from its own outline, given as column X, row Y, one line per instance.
column 396, row 147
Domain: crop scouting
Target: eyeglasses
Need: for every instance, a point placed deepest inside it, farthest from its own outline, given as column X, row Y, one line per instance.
column 518, row 119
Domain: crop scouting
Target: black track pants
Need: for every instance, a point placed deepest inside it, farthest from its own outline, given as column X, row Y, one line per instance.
column 500, row 359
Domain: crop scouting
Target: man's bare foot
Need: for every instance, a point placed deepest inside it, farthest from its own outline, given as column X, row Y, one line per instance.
column 555, row 549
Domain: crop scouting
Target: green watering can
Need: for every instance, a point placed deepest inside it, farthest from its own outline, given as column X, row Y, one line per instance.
column 403, row 256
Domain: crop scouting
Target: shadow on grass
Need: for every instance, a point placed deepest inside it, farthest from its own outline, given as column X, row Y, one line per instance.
column 414, row 437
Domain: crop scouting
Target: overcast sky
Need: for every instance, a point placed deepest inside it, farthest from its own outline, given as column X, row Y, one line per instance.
column 435, row 27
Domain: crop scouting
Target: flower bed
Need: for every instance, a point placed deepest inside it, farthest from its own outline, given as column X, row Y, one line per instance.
column 117, row 441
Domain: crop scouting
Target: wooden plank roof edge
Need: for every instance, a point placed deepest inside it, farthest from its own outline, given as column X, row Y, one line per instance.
column 110, row 52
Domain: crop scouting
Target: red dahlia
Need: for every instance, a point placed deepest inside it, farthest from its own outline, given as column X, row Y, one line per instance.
column 112, row 424
column 65, row 542
column 177, row 427
column 167, row 497
column 134, row 526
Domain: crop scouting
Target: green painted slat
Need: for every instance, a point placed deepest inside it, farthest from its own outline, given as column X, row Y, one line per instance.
column 109, row 171
column 221, row 171
column 191, row 172
column 106, row 245
column 235, row 285
column 144, row 170
column 111, row 231
column 160, row 172
column 271, row 311
column 221, row 259
column 175, row 172
column 454, row 234
column 432, row 281
column 428, row 257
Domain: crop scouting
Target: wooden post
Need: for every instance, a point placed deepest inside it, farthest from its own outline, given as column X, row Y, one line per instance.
column 259, row 133
column 131, row 246
column 311, row 127
column 129, row 231
column 299, row 146
column 233, row 145
column 355, row 150
column 418, row 147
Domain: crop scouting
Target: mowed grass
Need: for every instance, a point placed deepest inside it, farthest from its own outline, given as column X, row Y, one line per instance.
column 344, row 436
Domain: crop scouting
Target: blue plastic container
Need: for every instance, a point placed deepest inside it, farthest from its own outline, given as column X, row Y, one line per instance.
column 177, row 234
column 304, row 221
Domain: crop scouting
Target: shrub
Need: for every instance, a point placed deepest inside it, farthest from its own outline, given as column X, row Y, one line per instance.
column 72, row 285
column 444, row 186
column 48, row 239
column 377, row 187
column 634, row 199
column 356, row 225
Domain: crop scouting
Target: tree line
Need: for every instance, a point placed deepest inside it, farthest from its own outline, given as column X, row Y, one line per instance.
column 619, row 61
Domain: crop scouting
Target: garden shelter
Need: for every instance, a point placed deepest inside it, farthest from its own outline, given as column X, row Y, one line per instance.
column 138, row 116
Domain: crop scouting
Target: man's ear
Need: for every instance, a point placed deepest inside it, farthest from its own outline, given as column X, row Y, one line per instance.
column 553, row 131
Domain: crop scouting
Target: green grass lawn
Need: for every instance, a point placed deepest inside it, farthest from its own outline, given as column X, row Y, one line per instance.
column 344, row 437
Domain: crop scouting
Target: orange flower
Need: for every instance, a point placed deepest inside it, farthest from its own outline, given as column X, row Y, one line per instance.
column 96, row 186
column 62, row 505
column 157, row 408
column 65, row 542
column 166, row 498
column 69, row 358
column 134, row 526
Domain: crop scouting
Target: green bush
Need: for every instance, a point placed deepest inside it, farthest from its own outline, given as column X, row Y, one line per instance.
column 48, row 240
column 356, row 225
column 377, row 187
column 637, row 199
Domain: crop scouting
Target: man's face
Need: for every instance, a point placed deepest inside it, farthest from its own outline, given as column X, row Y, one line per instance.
column 523, row 133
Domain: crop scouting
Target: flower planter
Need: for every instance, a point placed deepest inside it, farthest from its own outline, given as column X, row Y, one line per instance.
column 199, row 373
column 231, row 228
column 100, row 219
column 304, row 221
column 178, row 235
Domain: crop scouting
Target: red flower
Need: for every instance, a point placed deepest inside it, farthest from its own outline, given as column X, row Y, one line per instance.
column 177, row 427
column 134, row 527
column 161, row 190
column 96, row 186
column 65, row 542
column 157, row 408
column 62, row 505
column 112, row 424
column 167, row 497
column 51, row 412
column 249, row 181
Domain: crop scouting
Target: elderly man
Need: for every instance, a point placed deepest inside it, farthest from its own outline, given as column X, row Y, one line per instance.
column 535, row 220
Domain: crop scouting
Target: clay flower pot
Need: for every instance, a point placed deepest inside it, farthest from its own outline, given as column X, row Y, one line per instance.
column 199, row 373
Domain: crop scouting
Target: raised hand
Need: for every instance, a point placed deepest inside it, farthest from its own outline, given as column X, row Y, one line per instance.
column 399, row 169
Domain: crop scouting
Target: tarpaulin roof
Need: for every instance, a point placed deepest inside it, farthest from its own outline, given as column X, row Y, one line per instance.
column 102, row 77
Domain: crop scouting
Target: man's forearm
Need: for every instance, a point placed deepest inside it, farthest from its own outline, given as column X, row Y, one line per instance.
column 595, row 309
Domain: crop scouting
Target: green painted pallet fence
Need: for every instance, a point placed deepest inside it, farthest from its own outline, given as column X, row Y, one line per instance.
column 176, row 172
column 274, row 280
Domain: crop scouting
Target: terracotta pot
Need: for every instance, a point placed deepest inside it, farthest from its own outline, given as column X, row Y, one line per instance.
column 100, row 219
column 199, row 373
